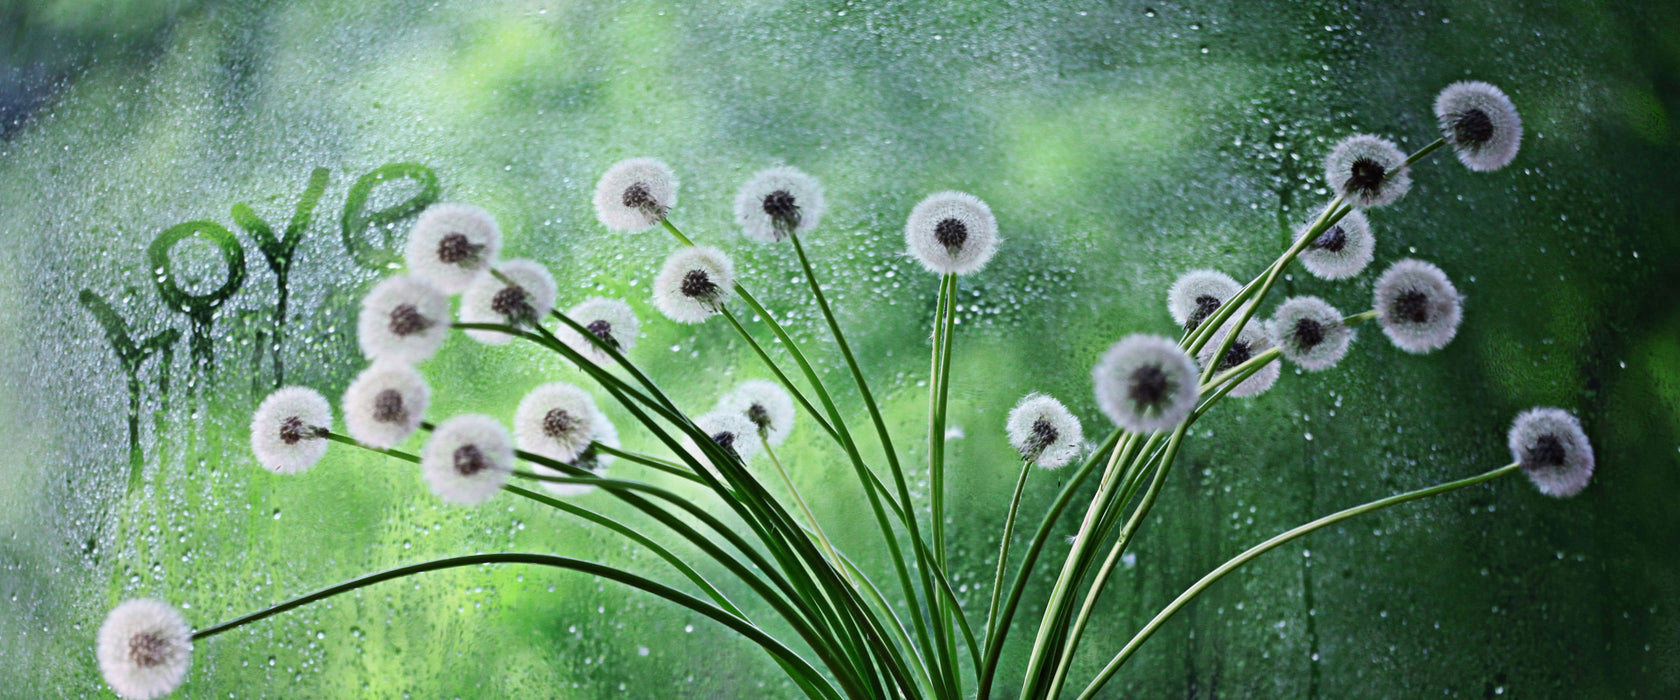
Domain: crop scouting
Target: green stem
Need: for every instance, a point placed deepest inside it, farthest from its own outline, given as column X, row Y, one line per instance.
column 1003, row 549
column 746, row 629
column 816, row 527
column 1359, row 318
column 1426, row 150
column 781, row 376
column 671, row 468
column 1269, row 545
column 936, row 413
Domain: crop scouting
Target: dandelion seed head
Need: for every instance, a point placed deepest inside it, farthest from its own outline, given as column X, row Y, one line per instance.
column 523, row 303
column 777, row 202
column 403, row 319
column 287, row 429
column 1480, row 124
column 730, row 430
column 1343, row 250
column 590, row 459
column 556, row 421
column 952, row 232
column 468, row 459
column 451, row 245
column 766, row 404
column 635, row 194
column 144, row 649
column 694, row 283
column 1146, row 383
column 1310, row 333
column 1250, row 342
column 385, row 404
column 1418, row 307
column 1553, row 450
column 609, row 321
column 1041, row 429
column 1197, row 294
column 1367, row 171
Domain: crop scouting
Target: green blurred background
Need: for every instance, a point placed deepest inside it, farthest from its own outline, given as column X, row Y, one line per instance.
column 1119, row 143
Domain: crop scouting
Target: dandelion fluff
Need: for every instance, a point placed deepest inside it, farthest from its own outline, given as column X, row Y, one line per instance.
column 144, row 649
column 1250, row 342
column 1480, row 123
column 385, row 404
column 1418, row 307
column 468, row 459
column 608, row 321
column 777, row 202
column 1343, row 250
column 694, row 284
column 1146, row 383
column 403, row 319
column 1553, row 451
column 952, row 232
column 732, row 431
column 555, row 420
column 1197, row 294
column 451, row 245
column 766, row 404
column 1042, row 430
column 1310, row 332
column 523, row 303
column 591, row 459
column 1367, row 171
column 635, row 194
column 287, row 429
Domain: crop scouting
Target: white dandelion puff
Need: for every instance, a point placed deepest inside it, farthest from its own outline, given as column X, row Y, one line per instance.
column 1343, row 250
column 952, row 232
column 1042, row 430
column 609, row 321
column 1197, row 294
column 451, row 245
column 144, row 649
column 635, row 194
column 468, row 459
column 1480, row 123
column 385, row 404
column 1553, row 451
column 1310, row 332
column 591, row 459
column 1146, row 383
column 1367, row 171
column 1251, row 341
column 403, row 319
column 288, row 429
column 555, row 420
column 777, row 202
column 523, row 303
column 694, row 284
column 733, row 432
column 1418, row 307
column 766, row 404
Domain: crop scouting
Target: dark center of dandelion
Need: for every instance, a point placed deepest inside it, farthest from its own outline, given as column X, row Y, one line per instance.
column 1239, row 353
column 1547, row 451
column 406, row 320
column 698, row 285
column 760, row 416
column 1043, row 434
column 1473, row 127
column 951, row 233
column 388, row 407
column 726, row 440
column 292, row 430
column 1206, row 304
column 1308, row 333
column 148, row 649
column 513, row 303
column 602, row 330
column 1366, row 176
column 469, row 460
column 557, row 422
column 1148, row 385
column 783, row 210
column 456, row 249
column 1413, row 306
column 638, row 196
column 1333, row 240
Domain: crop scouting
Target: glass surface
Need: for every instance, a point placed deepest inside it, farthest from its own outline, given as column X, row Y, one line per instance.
column 1119, row 145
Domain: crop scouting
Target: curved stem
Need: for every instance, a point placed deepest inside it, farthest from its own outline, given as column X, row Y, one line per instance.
column 781, row 376
column 668, row 467
column 816, row 527
column 1003, row 549
column 1251, row 553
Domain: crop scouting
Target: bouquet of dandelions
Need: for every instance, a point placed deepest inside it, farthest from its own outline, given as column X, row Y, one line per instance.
column 850, row 640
